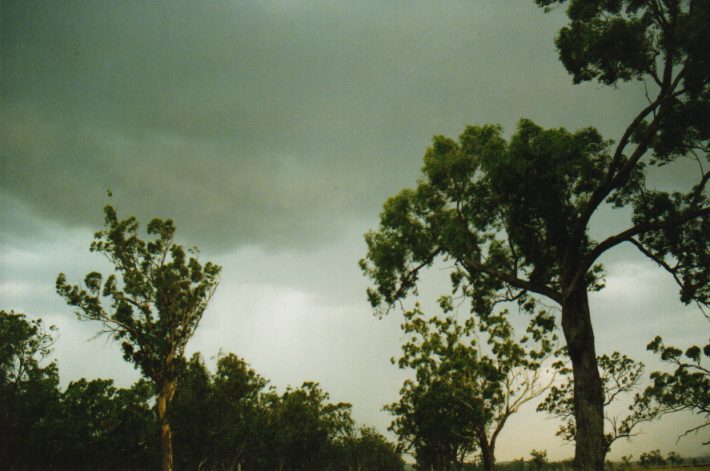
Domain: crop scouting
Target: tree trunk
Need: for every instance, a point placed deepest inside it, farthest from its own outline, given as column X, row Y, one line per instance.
column 166, row 436
column 588, row 395
column 487, row 454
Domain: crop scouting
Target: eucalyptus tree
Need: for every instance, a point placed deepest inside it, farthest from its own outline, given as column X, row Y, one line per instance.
column 620, row 376
column 513, row 216
column 152, row 304
column 470, row 378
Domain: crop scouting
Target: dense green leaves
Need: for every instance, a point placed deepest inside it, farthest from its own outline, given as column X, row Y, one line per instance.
column 502, row 211
column 222, row 420
column 28, row 391
column 104, row 427
column 157, row 299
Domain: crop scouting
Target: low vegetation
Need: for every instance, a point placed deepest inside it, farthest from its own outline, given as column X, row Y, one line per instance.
column 227, row 419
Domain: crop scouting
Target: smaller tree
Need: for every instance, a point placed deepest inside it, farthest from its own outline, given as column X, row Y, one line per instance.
column 626, row 461
column 192, row 415
column 674, row 458
column 620, row 375
column 366, row 449
column 156, row 302
column 468, row 389
column 685, row 389
column 538, row 459
column 652, row 458
column 305, row 427
column 432, row 422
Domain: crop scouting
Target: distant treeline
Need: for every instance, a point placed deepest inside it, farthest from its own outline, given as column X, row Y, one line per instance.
column 227, row 419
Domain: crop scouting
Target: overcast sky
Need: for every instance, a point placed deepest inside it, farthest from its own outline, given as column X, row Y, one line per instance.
column 271, row 132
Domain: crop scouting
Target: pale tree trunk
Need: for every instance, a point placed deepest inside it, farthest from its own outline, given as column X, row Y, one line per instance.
column 588, row 395
column 166, row 436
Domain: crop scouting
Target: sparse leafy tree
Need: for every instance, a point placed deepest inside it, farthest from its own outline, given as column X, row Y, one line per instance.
column 466, row 390
column 513, row 216
column 652, row 458
column 674, row 458
column 620, row 375
column 626, row 460
column 155, row 302
column 685, row 389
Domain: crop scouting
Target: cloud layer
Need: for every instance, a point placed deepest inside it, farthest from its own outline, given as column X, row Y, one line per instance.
column 261, row 123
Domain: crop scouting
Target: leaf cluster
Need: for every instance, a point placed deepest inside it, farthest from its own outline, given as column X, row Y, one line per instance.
column 156, row 297
column 502, row 212
column 687, row 388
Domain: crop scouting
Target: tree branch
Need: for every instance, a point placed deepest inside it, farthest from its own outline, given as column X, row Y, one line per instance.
column 627, row 235
column 473, row 266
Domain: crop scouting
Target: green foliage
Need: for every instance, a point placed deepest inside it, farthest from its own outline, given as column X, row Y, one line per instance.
column 512, row 217
column 500, row 211
column 156, row 302
column 685, row 389
column 620, row 375
column 222, row 420
column 91, row 425
column 465, row 390
column 104, row 427
column 306, row 426
column 28, row 391
column 367, row 449
column 157, row 299
column 230, row 418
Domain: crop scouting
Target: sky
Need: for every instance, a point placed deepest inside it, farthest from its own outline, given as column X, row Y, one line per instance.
column 272, row 132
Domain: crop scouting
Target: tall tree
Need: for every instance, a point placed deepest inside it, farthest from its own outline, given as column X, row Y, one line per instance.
column 156, row 301
column 466, row 389
column 513, row 217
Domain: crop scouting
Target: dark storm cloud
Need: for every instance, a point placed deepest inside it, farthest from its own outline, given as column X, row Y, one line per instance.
column 260, row 123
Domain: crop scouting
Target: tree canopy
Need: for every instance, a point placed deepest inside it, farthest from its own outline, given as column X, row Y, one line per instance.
column 512, row 216
column 223, row 419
